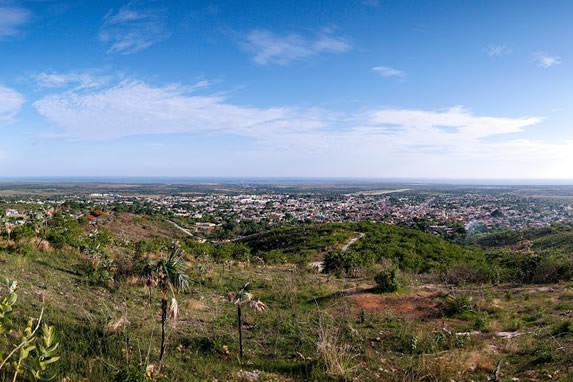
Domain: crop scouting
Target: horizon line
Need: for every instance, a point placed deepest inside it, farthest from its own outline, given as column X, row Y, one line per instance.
column 282, row 179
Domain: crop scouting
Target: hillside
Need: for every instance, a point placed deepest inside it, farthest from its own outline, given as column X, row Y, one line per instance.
column 132, row 227
column 557, row 238
column 312, row 326
column 311, row 238
column 411, row 249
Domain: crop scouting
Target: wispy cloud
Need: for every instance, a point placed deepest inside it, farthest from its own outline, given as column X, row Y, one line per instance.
column 131, row 30
column 498, row 51
column 466, row 125
column 270, row 48
column 135, row 108
column 11, row 19
column 454, row 142
column 75, row 80
column 10, row 103
column 387, row 71
column 545, row 60
column 426, row 143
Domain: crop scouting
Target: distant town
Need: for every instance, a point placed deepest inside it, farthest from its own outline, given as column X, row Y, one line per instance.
column 443, row 210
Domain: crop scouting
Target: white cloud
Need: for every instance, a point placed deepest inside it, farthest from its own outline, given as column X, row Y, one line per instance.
column 386, row 71
column 546, row 61
column 10, row 103
column 136, row 108
column 270, row 48
column 466, row 125
column 62, row 80
column 411, row 143
column 131, row 30
column 498, row 51
column 11, row 19
column 287, row 141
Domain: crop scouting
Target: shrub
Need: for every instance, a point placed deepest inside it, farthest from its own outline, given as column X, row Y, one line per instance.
column 347, row 262
column 470, row 274
column 563, row 328
column 387, row 280
column 458, row 305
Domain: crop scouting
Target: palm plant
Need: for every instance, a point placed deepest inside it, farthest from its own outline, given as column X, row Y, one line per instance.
column 168, row 274
column 8, row 226
column 240, row 298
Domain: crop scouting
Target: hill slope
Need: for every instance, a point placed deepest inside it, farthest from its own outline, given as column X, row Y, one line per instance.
column 411, row 249
column 558, row 238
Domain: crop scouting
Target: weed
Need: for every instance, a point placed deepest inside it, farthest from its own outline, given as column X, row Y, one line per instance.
column 338, row 358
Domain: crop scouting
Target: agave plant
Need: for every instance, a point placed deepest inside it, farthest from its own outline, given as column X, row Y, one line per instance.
column 240, row 298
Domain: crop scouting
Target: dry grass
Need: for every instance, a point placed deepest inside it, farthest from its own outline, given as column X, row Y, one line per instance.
column 126, row 226
column 452, row 365
column 42, row 245
column 117, row 325
column 339, row 358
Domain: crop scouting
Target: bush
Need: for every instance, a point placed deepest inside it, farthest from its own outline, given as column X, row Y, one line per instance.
column 387, row 280
column 563, row 328
column 347, row 262
column 459, row 305
column 470, row 274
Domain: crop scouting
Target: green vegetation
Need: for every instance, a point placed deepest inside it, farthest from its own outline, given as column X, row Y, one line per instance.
column 387, row 280
column 242, row 297
column 457, row 309
column 168, row 275
column 33, row 352
column 296, row 244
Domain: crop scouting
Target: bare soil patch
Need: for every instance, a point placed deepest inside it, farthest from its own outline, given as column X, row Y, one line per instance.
column 418, row 305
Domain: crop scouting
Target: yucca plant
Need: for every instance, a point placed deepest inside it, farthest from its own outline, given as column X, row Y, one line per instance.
column 168, row 274
column 240, row 298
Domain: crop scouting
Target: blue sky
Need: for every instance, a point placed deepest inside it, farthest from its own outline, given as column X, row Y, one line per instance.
column 241, row 88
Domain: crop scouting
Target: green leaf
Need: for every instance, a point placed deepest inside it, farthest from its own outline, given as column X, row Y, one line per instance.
column 49, row 361
column 47, row 378
column 12, row 299
column 25, row 351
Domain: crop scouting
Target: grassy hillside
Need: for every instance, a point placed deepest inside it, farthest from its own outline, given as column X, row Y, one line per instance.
column 317, row 327
column 555, row 238
column 126, row 226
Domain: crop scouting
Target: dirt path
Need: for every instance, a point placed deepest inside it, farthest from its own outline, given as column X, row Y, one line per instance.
column 319, row 265
column 352, row 241
column 186, row 231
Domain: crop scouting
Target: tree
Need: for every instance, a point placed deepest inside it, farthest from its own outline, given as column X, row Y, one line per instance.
column 168, row 274
column 240, row 298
